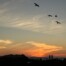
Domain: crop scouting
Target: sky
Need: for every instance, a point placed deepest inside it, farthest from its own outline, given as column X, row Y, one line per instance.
column 27, row 29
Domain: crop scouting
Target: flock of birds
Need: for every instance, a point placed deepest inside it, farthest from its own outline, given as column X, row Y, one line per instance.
column 49, row 14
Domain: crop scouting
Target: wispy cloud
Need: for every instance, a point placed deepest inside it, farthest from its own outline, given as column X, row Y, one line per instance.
column 6, row 41
column 42, row 48
column 45, row 46
column 32, row 48
column 2, row 47
column 35, row 24
column 12, row 16
column 4, row 44
column 2, row 11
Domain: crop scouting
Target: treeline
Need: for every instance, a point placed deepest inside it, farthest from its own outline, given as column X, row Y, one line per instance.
column 22, row 60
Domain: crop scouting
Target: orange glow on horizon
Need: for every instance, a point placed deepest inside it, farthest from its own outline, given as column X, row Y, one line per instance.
column 35, row 53
column 40, row 53
column 30, row 48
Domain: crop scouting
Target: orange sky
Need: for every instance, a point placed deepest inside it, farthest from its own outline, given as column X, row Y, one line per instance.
column 29, row 48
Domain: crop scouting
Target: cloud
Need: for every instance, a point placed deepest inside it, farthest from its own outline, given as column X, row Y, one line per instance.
column 11, row 16
column 61, row 53
column 37, row 49
column 6, row 42
column 32, row 26
column 2, row 11
column 29, row 48
column 2, row 47
column 44, row 48
column 37, row 23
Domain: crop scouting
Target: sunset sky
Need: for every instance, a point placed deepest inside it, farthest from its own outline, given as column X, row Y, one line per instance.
column 27, row 29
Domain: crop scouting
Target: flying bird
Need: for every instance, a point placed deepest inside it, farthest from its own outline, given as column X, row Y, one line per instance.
column 58, row 22
column 50, row 15
column 56, row 15
column 36, row 4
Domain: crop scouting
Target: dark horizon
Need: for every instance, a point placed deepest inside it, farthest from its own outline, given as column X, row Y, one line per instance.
column 19, row 60
column 33, row 56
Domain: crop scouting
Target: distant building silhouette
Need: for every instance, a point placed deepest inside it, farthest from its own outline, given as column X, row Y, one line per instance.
column 50, row 57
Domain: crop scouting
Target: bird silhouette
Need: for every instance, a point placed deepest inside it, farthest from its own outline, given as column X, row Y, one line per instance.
column 36, row 4
column 56, row 15
column 58, row 22
column 50, row 15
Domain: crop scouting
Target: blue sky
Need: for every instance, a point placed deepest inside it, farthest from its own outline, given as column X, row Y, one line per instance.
column 21, row 21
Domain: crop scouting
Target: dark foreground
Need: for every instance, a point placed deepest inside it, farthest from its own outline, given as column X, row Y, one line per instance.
column 22, row 60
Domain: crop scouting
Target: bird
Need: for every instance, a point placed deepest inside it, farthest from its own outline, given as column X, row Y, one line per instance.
column 36, row 4
column 56, row 15
column 50, row 15
column 58, row 22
